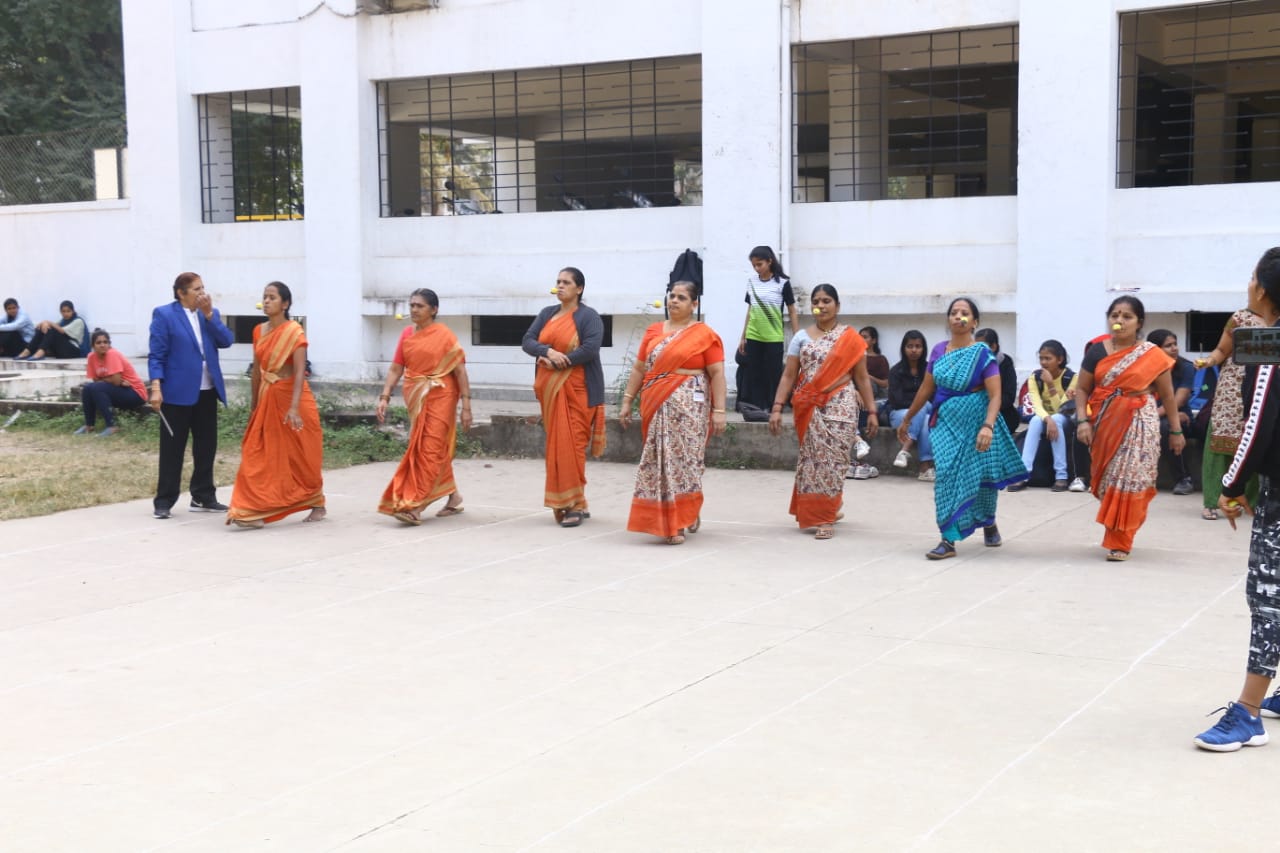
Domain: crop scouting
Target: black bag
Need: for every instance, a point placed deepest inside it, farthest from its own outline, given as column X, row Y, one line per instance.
column 688, row 268
column 752, row 413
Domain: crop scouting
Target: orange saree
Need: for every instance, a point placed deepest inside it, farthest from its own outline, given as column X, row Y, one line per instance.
column 279, row 466
column 425, row 473
column 571, row 425
column 1126, row 440
column 826, row 415
column 674, row 422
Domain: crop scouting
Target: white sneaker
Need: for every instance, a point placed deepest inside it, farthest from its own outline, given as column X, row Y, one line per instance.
column 902, row 460
column 865, row 472
column 861, row 449
column 928, row 475
column 1077, row 485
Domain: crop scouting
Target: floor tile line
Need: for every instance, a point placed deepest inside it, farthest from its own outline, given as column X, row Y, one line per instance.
column 928, row 835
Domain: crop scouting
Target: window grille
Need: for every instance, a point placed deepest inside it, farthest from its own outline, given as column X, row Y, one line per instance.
column 251, row 156
column 928, row 115
column 580, row 137
column 1199, row 95
column 507, row 330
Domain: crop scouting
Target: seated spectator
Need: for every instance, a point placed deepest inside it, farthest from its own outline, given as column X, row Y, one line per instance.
column 16, row 331
column 1008, row 379
column 878, row 372
column 1051, row 390
column 904, row 381
column 1183, row 375
column 112, row 383
column 67, row 338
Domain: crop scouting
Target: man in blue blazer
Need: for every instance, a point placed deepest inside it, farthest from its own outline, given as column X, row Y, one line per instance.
column 186, row 385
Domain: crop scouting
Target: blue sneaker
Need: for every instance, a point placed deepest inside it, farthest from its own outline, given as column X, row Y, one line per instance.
column 1237, row 728
column 1270, row 706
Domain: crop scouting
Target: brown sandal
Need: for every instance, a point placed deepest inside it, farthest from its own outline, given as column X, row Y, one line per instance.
column 407, row 517
column 675, row 540
column 1117, row 556
column 825, row 531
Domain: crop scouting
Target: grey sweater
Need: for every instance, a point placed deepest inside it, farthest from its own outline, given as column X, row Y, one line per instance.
column 590, row 334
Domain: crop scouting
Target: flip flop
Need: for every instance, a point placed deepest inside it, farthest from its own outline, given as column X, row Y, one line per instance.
column 310, row 520
column 1117, row 556
column 675, row 540
column 407, row 518
column 573, row 518
column 449, row 510
column 248, row 525
column 824, row 532
column 1209, row 514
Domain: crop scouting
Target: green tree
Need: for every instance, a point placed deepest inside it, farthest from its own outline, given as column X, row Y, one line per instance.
column 61, row 96
column 61, row 65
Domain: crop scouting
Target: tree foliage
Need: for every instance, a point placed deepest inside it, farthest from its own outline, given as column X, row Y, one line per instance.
column 61, row 65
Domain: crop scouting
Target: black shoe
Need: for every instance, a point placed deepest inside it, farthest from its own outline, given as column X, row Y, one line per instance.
column 161, row 513
column 944, row 550
column 1017, row 487
column 1184, row 487
column 991, row 536
column 207, row 506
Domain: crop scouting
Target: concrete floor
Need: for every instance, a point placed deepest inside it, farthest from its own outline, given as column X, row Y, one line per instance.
column 492, row 682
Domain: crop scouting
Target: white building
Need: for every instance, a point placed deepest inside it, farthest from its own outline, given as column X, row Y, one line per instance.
column 1038, row 156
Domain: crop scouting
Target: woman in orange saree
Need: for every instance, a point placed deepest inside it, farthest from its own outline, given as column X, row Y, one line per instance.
column 569, row 383
column 283, row 445
column 1117, row 381
column 435, row 379
column 825, row 364
column 678, row 373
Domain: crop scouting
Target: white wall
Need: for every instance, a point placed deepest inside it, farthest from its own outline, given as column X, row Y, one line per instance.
column 1042, row 264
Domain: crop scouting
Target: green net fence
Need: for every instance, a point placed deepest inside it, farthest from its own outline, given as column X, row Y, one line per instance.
column 45, row 168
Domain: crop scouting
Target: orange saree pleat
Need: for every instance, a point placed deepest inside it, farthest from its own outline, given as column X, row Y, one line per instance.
column 570, row 423
column 280, row 467
column 425, row 472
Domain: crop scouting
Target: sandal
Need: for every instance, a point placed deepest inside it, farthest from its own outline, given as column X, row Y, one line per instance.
column 825, row 531
column 945, row 550
column 674, row 540
column 407, row 517
column 1209, row 514
column 248, row 525
column 1117, row 556
column 693, row 528
column 573, row 518
column 449, row 510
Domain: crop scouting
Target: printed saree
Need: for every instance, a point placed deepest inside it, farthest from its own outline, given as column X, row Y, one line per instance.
column 425, row 473
column 279, row 466
column 674, row 420
column 968, row 482
column 1126, row 440
column 825, row 404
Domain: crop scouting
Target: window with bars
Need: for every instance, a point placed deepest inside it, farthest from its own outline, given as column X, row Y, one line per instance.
column 1199, row 95
column 251, row 155
column 928, row 115
column 580, row 137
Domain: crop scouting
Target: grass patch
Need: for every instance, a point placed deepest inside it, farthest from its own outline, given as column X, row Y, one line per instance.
column 45, row 469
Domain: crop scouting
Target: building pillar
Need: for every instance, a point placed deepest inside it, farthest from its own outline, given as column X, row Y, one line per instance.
column 339, row 151
column 742, row 160
column 1066, row 174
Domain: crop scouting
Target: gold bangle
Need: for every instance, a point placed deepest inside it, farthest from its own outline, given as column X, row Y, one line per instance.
column 386, row 397
column 717, row 411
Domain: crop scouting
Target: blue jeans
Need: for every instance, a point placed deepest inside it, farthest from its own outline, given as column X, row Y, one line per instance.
column 1035, row 429
column 918, row 430
column 101, row 397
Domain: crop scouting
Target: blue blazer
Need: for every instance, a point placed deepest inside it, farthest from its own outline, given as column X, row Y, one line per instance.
column 175, row 355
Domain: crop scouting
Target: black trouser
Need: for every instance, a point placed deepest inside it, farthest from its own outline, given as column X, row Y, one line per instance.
column 54, row 344
column 1177, row 461
column 762, row 372
column 201, row 422
column 1262, row 590
column 12, row 343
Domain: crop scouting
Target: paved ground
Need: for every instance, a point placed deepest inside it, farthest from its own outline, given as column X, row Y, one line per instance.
column 492, row 682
